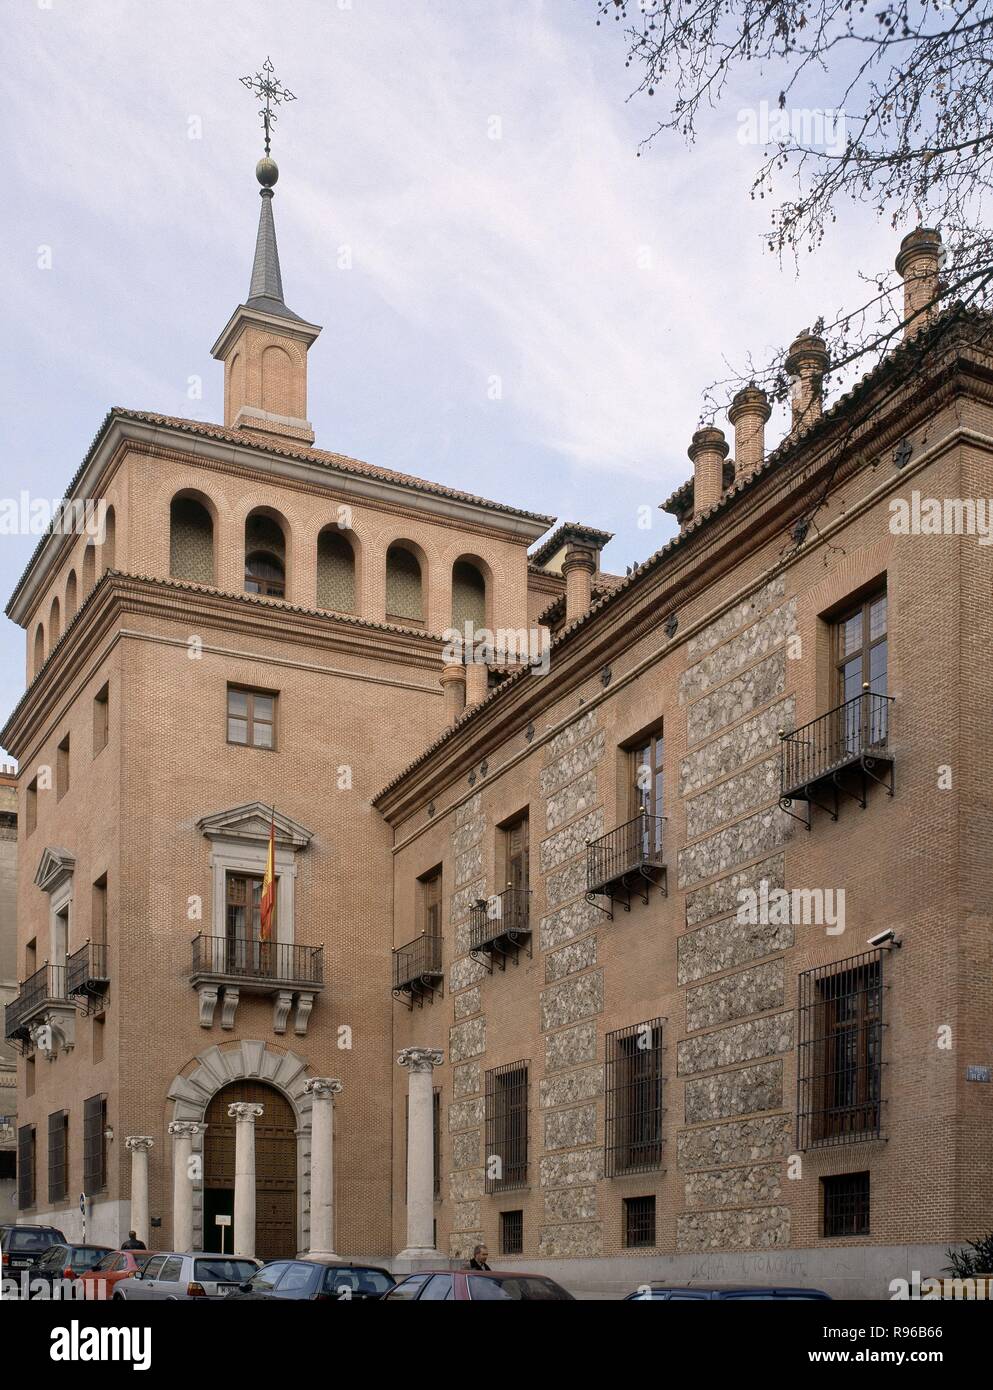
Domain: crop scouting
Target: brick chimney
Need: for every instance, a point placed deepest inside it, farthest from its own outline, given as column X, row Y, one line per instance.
column 749, row 412
column 477, row 683
column 453, row 685
column 918, row 265
column 579, row 567
column 708, row 451
column 806, row 363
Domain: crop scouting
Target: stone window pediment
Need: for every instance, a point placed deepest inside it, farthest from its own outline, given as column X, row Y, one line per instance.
column 55, row 870
column 251, row 823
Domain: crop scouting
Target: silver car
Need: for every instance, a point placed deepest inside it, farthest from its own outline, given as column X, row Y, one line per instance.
column 176, row 1277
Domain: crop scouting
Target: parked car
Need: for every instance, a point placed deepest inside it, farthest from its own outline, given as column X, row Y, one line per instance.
column 23, row 1246
column 444, row 1285
column 66, row 1262
column 316, row 1280
column 115, row 1266
column 651, row 1292
column 175, row 1277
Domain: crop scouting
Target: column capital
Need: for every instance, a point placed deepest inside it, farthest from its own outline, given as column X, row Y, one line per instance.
column 245, row 1110
column 420, row 1059
column 139, row 1142
column 323, row 1087
column 186, row 1129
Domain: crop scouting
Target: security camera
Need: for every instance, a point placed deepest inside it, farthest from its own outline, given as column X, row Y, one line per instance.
column 886, row 939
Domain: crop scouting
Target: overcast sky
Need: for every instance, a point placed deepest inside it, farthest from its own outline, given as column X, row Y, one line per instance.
column 604, row 291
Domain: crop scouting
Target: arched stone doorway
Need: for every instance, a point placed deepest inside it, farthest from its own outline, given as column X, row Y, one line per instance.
column 275, row 1169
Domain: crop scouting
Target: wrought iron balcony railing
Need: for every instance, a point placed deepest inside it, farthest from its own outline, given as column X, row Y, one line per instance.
column 852, row 736
column 259, row 964
column 86, row 971
column 630, row 856
column 45, row 986
column 505, row 914
column 417, row 967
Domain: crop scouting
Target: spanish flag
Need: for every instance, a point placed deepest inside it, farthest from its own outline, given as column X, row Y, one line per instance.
column 269, row 884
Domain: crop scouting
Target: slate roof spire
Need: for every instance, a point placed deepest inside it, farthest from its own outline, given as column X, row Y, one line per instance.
column 266, row 290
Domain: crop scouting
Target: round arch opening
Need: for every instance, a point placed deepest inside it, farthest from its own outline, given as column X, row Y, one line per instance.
column 275, row 1169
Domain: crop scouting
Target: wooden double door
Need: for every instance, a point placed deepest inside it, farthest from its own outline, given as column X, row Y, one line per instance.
column 275, row 1170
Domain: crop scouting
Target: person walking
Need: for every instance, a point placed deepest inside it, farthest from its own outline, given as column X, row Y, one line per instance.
column 478, row 1260
column 133, row 1243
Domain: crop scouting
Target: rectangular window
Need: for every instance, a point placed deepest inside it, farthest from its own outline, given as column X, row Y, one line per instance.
column 512, row 1233
column 31, row 806
column 846, row 1204
column 506, row 1157
column 517, row 854
column 245, row 952
column 58, row 1155
column 633, row 1080
column 251, row 717
column 94, row 1144
column 840, row 1026
column 26, row 1167
column 98, row 912
column 860, row 661
column 639, row 1221
column 62, row 769
column 646, row 763
column 101, row 719
column 431, row 898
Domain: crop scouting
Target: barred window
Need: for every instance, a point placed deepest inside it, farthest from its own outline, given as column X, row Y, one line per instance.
column 639, row 1221
column 512, row 1233
column 846, row 1204
column 26, row 1167
column 58, row 1155
column 94, row 1144
column 633, row 1082
column 840, row 1052
column 507, row 1127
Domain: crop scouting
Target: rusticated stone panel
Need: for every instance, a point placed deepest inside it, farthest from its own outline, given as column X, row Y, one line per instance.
column 567, row 843
column 722, row 945
column 561, row 926
column 734, row 1093
column 571, row 1204
column 568, row 1129
column 571, row 1088
column 465, row 972
column 465, row 1114
column 466, row 1149
column 466, row 1185
column 745, row 612
column 467, row 1003
column 567, row 883
column 578, row 956
column 735, row 996
column 469, row 810
column 758, row 1228
column 723, row 896
column 461, row 1246
column 571, row 735
column 463, row 900
column 739, row 697
column 469, row 866
column 739, row 1141
column 756, row 786
column 470, row 834
column 573, row 800
column 466, row 1216
column 755, row 642
column 735, row 1187
column 467, row 1040
column 759, row 834
column 737, row 747
column 570, row 1048
column 571, row 1169
column 577, row 1242
column 466, row 1080
column 741, row 1042
column 572, row 764
column 571, row 1000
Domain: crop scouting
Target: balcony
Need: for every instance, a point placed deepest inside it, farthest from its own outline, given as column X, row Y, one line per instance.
column 626, row 860
column 499, row 927
column 87, row 976
column 843, row 751
column 417, row 972
column 42, row 1017
column 226, row 967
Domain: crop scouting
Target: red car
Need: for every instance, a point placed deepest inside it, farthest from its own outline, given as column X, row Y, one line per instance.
column 115, row 1266
column 477, row 1286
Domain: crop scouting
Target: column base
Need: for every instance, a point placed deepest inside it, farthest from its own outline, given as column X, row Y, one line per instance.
column 320, row 1255
column 421, row 1255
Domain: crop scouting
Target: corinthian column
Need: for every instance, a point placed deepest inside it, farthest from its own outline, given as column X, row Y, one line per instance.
column 244, row 1113
column 323, row 1090
column 183, row 1133
column 138, row 1146
column 420, row 1063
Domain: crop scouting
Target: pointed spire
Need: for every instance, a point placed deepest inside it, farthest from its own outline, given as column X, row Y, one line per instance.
column 266, row 290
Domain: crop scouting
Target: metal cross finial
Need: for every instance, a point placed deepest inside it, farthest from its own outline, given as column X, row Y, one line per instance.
column 271, row 91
